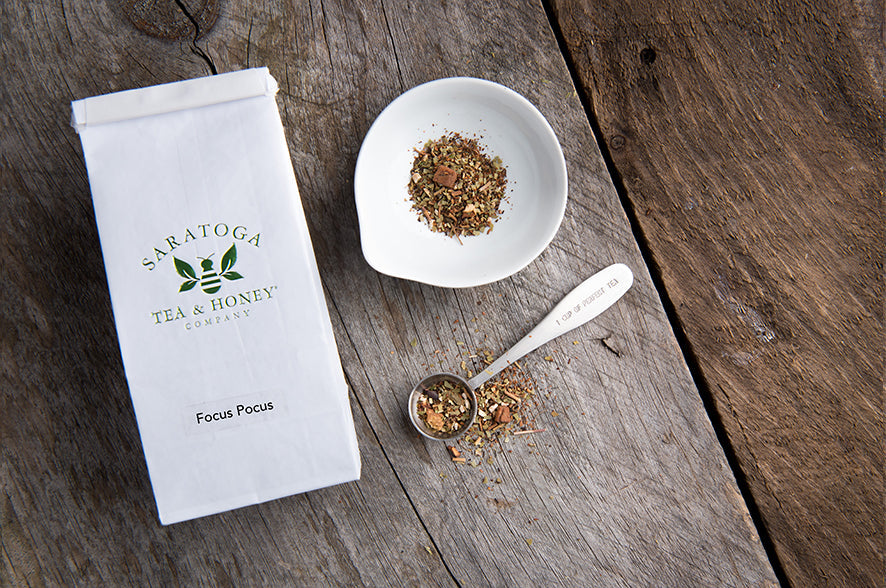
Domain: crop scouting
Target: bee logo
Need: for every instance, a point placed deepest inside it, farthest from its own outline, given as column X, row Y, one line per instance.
column 209, row 280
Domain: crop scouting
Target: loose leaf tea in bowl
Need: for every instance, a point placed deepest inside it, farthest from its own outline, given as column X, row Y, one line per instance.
column 396, row 242
column 455, row 187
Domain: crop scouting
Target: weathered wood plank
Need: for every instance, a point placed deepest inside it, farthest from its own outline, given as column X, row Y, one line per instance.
column 76, row 503
column 749, row 141
column 628, row 484
column 385, row 363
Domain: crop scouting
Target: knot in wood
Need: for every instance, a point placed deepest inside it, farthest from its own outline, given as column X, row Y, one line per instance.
column 647, row 55
column 172, row 19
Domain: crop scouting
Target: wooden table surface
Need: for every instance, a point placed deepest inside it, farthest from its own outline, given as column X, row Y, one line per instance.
column 721, row 426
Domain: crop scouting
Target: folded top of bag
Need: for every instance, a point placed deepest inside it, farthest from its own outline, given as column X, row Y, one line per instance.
column 172, row 97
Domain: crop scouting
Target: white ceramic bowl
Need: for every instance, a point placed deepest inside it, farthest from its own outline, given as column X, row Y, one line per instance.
column 507, row 125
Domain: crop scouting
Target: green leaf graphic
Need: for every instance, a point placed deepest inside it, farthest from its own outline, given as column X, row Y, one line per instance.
column 187, row 285
column 231, row 276
column 229, row 259
column 184, row 269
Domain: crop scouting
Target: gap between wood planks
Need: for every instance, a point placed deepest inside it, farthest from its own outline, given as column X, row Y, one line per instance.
column 707, row 397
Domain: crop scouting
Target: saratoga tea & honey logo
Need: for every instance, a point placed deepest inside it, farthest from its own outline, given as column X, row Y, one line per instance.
column 201, row 274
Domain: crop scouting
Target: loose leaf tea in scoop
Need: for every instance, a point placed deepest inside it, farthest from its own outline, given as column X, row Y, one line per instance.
column 444, row 407
column 455, row 187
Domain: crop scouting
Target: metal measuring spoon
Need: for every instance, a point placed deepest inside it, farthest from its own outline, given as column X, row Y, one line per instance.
column 585, row 302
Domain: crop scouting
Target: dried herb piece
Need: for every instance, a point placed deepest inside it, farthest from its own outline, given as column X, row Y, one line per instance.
column 445, row 176
column 455, row 187
column 444, row 407
column 502, row 414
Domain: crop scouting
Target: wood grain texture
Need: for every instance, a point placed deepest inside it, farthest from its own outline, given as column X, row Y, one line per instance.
column 627, row 486
column 749, row 142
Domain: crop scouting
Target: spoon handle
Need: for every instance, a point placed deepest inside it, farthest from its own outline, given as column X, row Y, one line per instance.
column 585, row 302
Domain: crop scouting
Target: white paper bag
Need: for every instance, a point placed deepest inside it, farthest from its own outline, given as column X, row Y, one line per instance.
column 223, row 328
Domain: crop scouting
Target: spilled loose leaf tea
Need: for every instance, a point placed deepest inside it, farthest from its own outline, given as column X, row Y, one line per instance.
column 501, row 406
column 455, row 187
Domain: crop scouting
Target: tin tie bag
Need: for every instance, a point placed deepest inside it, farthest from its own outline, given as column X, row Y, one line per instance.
column 223, row 329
